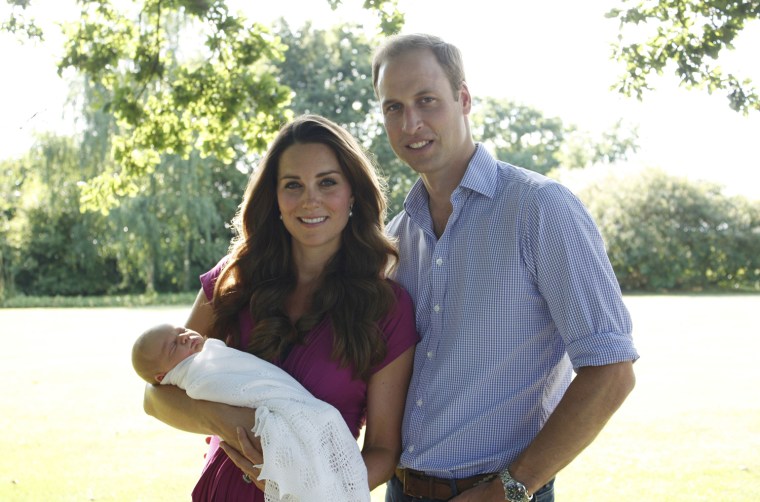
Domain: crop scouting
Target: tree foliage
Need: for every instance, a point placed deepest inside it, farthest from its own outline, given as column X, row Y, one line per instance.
column 174, row 228
column 667, row 233
column 19, row 23
column 51, row 247
column 689, row 34
column 390, row 18
column 519, row 134
column 219, row 99
column 160, row 239
column 140, row 199
column 524, row 136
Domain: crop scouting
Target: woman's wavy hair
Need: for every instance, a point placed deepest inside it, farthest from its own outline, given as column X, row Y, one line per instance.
column 259, row 274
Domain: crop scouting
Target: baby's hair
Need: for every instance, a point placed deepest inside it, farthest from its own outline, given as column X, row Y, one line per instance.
column 143, row 361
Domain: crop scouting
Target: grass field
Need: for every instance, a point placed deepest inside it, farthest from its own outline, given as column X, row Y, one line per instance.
column 72, row 426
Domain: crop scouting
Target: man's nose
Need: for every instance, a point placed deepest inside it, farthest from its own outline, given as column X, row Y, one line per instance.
column 412, row 120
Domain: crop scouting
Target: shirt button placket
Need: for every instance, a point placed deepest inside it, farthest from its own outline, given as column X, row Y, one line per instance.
column 438, row 263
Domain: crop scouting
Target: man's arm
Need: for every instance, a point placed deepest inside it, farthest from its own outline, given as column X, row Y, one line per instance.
column 591, row 399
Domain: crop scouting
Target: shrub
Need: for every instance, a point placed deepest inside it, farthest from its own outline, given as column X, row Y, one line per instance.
column 668, row 233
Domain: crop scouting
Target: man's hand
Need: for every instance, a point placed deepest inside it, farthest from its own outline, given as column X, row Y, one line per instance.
column 247, row 456
column 493, row 491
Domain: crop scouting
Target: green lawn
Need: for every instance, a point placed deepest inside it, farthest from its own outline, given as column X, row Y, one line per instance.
column 72, row 426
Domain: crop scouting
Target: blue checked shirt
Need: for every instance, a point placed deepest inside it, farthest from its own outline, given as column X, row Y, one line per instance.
column 516, row 292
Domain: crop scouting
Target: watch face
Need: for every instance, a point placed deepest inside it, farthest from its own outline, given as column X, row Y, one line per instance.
column 516, row 492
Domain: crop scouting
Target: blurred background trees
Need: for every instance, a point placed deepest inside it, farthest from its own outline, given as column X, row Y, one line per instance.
column 665, row 233
column 171, row 124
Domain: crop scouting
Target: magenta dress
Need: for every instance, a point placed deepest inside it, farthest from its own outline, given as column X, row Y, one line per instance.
column 311, row 365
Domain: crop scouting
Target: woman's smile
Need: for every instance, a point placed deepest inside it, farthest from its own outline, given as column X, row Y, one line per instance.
column 314, row 197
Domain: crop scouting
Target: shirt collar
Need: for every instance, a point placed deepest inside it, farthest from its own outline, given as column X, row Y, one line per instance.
column 481, row 174
column 480, row 177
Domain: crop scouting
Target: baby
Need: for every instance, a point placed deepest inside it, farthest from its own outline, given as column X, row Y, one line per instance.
column 309, row 452
column 162, row 348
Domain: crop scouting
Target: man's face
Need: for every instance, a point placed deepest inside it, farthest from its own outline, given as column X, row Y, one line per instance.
column 426, row 121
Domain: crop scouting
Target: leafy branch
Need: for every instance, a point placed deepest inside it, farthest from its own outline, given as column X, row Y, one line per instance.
column 690, row 34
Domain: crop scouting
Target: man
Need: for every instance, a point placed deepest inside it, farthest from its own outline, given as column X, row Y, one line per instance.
column 513, row 291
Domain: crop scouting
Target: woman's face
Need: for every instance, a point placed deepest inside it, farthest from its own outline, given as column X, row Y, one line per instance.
column 314, row 197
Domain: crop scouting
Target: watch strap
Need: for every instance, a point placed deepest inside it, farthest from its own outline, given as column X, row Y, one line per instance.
column 514, row 491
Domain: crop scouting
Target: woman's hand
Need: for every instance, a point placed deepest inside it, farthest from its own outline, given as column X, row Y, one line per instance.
column 248, row 457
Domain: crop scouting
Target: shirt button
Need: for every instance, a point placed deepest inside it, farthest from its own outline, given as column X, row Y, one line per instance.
column 439, row 261
column 419, row 402
column 437, row 308
column 411, row 448
column 430, row 355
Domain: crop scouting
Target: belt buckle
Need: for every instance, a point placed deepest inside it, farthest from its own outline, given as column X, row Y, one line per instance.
column 402, row 478
column 418, row 484
column 407, row 476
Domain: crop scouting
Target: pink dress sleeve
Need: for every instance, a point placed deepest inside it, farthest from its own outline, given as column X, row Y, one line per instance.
column 208, row 279
column 399, row 327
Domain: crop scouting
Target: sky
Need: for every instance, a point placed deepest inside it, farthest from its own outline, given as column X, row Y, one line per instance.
column 552, row 55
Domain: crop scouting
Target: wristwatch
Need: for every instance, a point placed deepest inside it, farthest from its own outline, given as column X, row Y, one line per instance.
column 514, row 491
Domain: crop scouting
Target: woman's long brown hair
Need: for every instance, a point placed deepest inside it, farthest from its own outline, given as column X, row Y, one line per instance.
column 260, row 274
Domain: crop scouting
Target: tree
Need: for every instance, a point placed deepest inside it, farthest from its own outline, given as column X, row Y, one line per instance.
column 523, row 136
column 13, row 176
column 161, row 224
column 52, row 248
column 390, row 19
column 667, row 233
column 222, row 100
column 519, row 134
column 580, row 149
column 175, row 227
column 19, row 24
column 689, row 34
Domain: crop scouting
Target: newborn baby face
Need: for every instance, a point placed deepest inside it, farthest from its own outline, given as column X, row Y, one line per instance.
column 173, row 344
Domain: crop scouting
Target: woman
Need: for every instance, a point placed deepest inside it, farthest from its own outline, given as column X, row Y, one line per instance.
column 304, row 287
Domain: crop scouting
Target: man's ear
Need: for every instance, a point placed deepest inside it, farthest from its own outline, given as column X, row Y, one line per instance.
column 160, row 377
column 464, row 96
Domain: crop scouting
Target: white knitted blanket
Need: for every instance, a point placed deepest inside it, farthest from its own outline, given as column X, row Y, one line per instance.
column 309, row 452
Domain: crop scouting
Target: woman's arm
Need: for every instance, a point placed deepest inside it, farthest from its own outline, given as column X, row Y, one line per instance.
column 386, row 396
column 201, row 318
column 171, row 405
